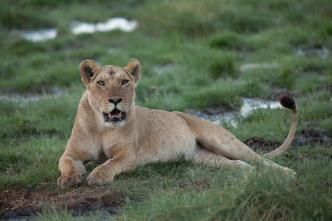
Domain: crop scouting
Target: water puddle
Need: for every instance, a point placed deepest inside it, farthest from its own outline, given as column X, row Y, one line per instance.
column 18, row 98
column 249, row 105
column 314, row 50
column 36, row 35
column 214, row 115
column 257, row 66
column 78, row 27
column 122, row 24
column 161, row 69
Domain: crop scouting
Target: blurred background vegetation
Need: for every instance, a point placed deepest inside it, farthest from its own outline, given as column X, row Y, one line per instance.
column 193, row 53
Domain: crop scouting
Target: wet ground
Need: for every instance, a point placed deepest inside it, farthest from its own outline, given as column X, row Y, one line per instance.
column 222, row 115
column 34, row 94
column 37, row 90
column 78, row 27
column 312, row 137
column 309, row 137
column 316, row 49
column 24, row 204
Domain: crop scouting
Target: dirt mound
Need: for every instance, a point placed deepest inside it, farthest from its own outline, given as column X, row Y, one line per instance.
column 261, row 144
column 304, row 137
column 312, row 137
column 19, row 204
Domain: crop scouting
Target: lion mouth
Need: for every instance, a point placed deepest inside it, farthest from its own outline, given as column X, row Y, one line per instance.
column 114, row 115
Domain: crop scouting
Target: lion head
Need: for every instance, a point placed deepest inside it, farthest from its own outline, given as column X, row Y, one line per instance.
column 111, row 90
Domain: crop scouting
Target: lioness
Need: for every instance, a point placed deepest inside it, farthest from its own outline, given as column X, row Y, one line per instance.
column 111, row 130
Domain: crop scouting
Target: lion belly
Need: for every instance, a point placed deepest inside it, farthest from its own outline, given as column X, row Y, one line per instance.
column 166, row 138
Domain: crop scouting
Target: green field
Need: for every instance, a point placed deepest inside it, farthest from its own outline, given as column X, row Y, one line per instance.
column 193, row 55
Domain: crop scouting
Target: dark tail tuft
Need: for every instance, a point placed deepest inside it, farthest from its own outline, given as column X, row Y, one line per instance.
column 287, row 101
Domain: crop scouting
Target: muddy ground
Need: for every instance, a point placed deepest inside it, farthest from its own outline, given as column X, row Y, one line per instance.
column 309, row 137
column 16, row 204
column 40, row 89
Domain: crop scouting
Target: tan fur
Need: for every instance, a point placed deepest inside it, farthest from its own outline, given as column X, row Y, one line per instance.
column 145, row 135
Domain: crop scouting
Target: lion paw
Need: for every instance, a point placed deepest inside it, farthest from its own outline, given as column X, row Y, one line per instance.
column 243, row 165
column 98, row 177
column 69, row 180
column 289, row 173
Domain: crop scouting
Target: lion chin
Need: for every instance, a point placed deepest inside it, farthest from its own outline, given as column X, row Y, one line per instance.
column 111, row 130
column 115, row 124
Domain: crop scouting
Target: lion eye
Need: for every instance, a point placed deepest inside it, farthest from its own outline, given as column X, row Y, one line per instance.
column 124, row 82
column 101, row 83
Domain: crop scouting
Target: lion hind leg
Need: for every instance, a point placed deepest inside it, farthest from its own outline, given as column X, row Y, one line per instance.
column 209, row 158
column 221, row 142
column 239, row 151
column 218, row 140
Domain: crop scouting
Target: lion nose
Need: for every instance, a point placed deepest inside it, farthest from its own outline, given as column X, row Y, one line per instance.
column 115, row 101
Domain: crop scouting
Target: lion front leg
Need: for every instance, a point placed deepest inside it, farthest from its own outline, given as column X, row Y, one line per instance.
column 71, row 171
column 106, row 172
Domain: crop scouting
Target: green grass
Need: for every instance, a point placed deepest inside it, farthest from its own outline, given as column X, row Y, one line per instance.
column 191, row 52
column 240, row 199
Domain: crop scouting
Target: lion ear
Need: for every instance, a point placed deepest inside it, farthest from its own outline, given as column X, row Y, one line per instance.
column 88, row 69
column 134, row 68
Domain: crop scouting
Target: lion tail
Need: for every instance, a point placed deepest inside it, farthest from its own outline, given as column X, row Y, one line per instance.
column 288, row 102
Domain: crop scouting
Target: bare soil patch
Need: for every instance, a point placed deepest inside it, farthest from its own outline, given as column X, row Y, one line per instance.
column 18, row 204
column 261, row 144
column 310, row 137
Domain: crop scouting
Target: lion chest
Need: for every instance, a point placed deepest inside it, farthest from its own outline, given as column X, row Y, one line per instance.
column 113, row 144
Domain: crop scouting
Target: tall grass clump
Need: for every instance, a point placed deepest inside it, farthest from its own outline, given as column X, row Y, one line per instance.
column 223, row 65
column 266, row 195
column 228, row 40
